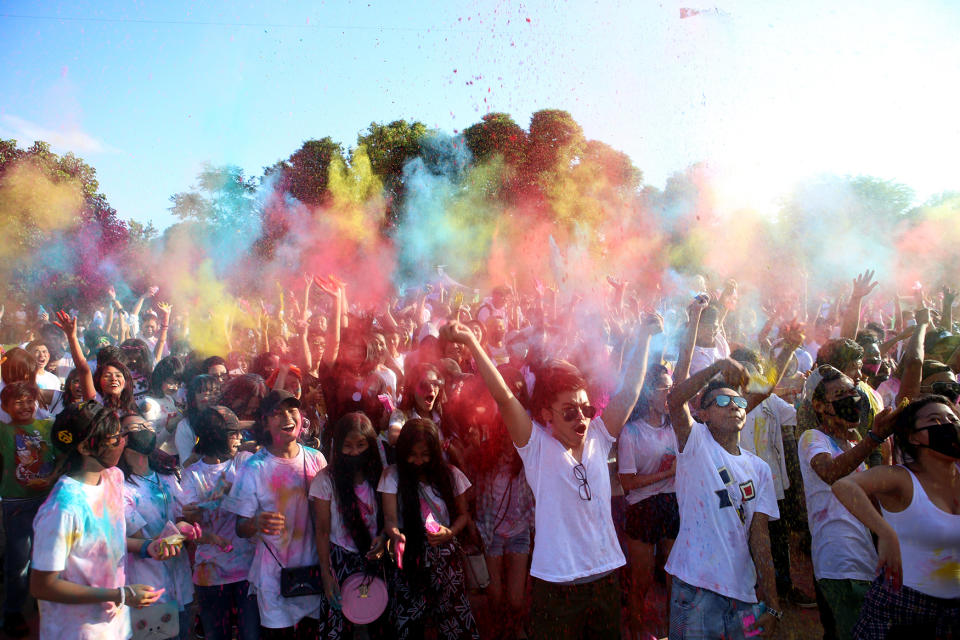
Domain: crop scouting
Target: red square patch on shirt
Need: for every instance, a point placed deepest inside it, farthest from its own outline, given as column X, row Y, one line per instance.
column 747, row 491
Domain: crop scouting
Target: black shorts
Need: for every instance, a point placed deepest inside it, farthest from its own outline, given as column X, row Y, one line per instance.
column 654, row 519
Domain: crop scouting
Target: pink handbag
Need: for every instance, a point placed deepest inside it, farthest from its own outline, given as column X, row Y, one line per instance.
column 363, row 598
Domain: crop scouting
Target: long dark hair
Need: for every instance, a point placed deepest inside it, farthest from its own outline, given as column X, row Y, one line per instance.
column 342, row 476
column 197, row 385
column 125, row 403
column 136, row 352
column 436, row 473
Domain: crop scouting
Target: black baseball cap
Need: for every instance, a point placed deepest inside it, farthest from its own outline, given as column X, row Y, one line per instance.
column 76, row 423
column 273, row 400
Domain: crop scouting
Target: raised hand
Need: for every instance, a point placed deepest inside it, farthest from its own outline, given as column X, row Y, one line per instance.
column 66, row 323
column 922, row 316
column 734, row 373
column 327, row 286
column 111, row 292
column 698, row 304
column 152, row 291
column 949, row 295
column 863, row 284
column 165, row 310
column 792, row 333
column 456, row 332
column 652, row 324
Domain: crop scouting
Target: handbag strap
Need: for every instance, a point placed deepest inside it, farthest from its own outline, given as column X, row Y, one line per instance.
column 306, row 496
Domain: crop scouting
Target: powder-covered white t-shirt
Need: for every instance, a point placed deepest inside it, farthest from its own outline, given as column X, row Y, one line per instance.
column 575, row 538
column 646, row 450
column 842, row 547
column 80, row 532
column 718, row 494
column 268, row 483
column 322, row 488
column 762, row 434
column 703, row 357
column 47, row 380
column 185, row 440
column 206, row 485
column 389, row 483
column 149, row 503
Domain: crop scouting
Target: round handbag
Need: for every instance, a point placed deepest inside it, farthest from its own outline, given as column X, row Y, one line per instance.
column 363, row 598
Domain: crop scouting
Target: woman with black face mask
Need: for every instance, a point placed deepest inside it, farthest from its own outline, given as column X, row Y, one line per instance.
column 348, row 518
column 917, row 526
column 152, row 497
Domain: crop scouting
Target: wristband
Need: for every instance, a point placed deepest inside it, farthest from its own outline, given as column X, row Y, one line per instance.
column 776, row 614
column 123, row 596
column 875, row 437
column 145, row 549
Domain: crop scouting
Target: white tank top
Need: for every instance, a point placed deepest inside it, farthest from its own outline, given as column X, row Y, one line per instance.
column 929, row 545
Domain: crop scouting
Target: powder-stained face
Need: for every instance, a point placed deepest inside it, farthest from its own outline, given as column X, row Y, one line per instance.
column 568, row 418
column 112, row 381
column 426, row 392
column 149, row 327
column 42, row 355
column 284, row 425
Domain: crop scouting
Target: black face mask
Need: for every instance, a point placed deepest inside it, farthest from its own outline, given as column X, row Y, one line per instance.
column 354, row 462
column 943, row 438
column 847, row 409
column 143, row 441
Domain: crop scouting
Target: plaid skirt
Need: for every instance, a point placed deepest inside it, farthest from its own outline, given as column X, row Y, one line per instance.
column 908, row 614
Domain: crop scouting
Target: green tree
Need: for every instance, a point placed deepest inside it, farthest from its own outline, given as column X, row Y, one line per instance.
column 497, row 134
column 221, row 197
column 305, row 174
column 389, row 147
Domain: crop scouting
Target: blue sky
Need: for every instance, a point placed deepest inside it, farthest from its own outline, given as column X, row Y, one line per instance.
column 767, row 92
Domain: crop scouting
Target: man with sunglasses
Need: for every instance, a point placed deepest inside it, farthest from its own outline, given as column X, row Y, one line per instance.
column 564, row 446
column 726, row 497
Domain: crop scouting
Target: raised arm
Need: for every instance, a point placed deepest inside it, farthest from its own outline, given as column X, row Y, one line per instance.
column 862, row 286
column 946, row 309
column 337, row 294
column 514, row 415
column 733, row 372
column 792, row 339
column 165, row 310
column 694, row 311
column 911, row 365
column 621, row 404
column 149, row 293
column 68, row 325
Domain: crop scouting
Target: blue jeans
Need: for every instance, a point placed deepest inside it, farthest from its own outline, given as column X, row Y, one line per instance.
column 700, row 614
column 18, row 517
column 220, row 603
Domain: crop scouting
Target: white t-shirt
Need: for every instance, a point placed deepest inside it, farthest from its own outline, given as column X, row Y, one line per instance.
column 322, row 488
column 646, row 449
column 47, row 380
column 389, row 381
column 718, row 493
column 703, row 357
column 207, row 485
column 80, row 532
column 149, row 503
column 268, row 483
column 389, row 483
column 575, row 538
column 888, row 391
column 184, row 439
column 762, row 434
column 842, row 547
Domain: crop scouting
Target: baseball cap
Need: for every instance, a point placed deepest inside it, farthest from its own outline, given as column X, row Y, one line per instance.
column 275, row 399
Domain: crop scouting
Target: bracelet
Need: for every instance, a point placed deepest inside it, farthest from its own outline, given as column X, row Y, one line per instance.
column 164, row 326
column 123, row 596
column 145, row 549
column 875, row 437
column 133, row 594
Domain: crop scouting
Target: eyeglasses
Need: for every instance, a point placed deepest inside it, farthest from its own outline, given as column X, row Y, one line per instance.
column 572, row 412
column 220, row 376
column 723, row 400
column 238, row 435
column 580, row 473
column 115, row 439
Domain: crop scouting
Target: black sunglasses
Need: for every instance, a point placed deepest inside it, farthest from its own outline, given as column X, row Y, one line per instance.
column 573, row 412
column 580, row 473
column 722, row 400
column 946, row 388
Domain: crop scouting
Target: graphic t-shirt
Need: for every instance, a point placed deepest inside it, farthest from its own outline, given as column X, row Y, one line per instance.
column 27, row 459
column 80, row 532
column 646, row 450
column 149, row 503
column 206, row 485
column 429, row 496
column 841, row 545
column 322, row 488
column 268, row 483
column 718, row 493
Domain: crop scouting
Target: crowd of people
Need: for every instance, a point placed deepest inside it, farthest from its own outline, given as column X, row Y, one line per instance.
column 531, row 464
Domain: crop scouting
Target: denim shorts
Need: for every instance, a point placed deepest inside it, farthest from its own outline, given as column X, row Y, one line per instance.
column 516, row 544
column 697, row 613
